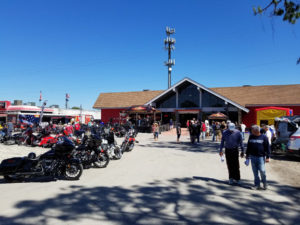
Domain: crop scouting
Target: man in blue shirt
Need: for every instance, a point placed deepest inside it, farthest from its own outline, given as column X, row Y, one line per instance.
column 232, row 139
column 258, row 150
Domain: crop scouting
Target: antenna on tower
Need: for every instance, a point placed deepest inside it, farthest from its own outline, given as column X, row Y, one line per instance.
column 169, row 45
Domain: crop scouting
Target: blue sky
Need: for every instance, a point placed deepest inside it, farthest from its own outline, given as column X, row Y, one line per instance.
column 85, row 47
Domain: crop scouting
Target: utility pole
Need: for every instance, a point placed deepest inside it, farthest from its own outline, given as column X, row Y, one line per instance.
column 169, row 45
column 67, row 99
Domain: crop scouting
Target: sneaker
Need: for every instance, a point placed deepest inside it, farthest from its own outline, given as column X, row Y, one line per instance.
column 255, row 187
column 230, row 181
column 238, row 182
column 265, row 187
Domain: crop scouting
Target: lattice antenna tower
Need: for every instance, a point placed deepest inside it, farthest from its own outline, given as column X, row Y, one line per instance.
column 169, row 46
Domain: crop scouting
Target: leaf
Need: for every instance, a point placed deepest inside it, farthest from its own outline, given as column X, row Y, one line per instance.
column 279, row 12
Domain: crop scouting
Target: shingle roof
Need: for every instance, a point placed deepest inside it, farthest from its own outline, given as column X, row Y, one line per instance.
column 262, row 95
column 124, row 99
column 245, row 96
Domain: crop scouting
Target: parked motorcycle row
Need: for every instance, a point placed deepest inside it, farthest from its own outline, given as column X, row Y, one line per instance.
column 69, row 155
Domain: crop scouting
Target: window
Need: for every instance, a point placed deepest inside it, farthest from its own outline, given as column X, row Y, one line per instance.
column 210, row 100
column 188, row 96
column 167, row 101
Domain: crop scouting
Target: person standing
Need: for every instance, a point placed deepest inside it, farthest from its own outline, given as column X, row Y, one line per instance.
column 178, row 131
column 155, row 131
column 203, row 130
column 218, row 131
column 268, row 133
column 198, row 131
column 232, row 140
column 10, row 128
column 258, row 151
column 243, row 129
column 213, row 127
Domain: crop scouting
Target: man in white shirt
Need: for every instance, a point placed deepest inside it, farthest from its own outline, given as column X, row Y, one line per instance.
column 243, row 129
column 268, row 134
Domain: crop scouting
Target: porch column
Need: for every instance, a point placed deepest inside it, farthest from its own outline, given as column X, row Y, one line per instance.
column 239, row 116
column 200, row 104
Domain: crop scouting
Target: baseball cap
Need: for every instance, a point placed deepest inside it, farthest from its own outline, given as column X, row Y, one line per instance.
column 231, row 126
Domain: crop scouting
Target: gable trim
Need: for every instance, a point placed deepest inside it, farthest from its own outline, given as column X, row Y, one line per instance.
column 201, row 87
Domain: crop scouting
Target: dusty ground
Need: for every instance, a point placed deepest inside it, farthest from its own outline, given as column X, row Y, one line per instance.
column 159, row 182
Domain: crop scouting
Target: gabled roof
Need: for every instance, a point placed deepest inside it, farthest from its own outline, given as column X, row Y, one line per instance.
column 124, row 99
column 262, row 95
column 242, row 96
column 201, row 87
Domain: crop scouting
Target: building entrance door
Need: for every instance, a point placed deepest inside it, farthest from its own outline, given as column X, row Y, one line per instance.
column 183, row 118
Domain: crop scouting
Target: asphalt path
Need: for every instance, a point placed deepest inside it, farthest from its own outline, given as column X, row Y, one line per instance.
column 160, row 182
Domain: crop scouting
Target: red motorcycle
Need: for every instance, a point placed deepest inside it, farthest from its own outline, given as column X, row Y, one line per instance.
column 129, row 141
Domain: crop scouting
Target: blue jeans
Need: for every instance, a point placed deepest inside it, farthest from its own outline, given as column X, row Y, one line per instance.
column 203, row 135
column 258, row 164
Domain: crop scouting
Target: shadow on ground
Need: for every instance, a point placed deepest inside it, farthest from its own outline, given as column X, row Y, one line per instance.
column 197, row 200
column 202, row 146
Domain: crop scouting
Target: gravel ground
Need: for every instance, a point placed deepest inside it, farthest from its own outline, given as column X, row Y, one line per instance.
column 159, row 182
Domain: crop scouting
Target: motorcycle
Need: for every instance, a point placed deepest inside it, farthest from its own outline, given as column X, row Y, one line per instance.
column 129, row 141
column 90, row 153
column 57, row 163
column 109, row 145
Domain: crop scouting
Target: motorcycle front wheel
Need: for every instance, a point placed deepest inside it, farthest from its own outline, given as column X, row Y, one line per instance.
column 73, row 171
column 118, row 153
column 130, row 147
column 102, row 160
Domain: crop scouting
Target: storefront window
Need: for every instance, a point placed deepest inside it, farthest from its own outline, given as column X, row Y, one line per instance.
column 188, row 96
column 168, row 101
column 209, row 100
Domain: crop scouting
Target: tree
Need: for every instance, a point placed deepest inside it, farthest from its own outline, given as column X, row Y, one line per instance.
column 289, row 10
column 75, row 107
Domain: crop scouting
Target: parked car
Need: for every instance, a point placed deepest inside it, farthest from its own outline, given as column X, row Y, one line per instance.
column 285, row 126
column 294, row 144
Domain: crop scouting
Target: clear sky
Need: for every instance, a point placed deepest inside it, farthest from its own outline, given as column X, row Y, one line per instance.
column 85, row 47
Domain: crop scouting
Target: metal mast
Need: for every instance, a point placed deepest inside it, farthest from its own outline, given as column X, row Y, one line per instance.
column 169, row 45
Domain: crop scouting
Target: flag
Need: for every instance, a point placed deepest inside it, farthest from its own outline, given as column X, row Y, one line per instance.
column 29, row 119
column 41, row 96
column 67, row 97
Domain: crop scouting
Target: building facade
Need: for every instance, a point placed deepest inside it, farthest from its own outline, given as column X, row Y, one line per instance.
column 188, row 99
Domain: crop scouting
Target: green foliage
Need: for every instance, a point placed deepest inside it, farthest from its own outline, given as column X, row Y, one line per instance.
column 75, row 107
column 289, row 10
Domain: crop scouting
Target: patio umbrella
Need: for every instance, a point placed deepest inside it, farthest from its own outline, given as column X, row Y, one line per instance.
column 141, row 109
column 217, row 116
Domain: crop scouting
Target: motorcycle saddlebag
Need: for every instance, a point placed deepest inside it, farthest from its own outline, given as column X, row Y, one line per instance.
column 10, row 165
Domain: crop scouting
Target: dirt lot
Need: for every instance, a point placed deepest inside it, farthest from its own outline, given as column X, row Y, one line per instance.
column 287, row 169
column 160, row 182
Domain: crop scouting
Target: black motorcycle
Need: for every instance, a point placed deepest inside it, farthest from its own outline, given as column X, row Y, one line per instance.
column 57, row 163
column 90, row 152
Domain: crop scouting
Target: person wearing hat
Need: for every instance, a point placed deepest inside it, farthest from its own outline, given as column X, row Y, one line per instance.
column 155, row 131
column 232, row 139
